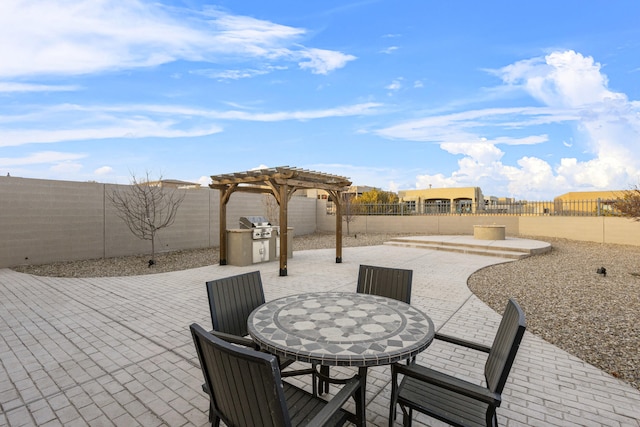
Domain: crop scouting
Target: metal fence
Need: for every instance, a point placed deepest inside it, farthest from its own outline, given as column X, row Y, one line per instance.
column 599, row 207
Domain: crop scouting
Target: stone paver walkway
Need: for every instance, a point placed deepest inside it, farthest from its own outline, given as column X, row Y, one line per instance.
column 117, row 351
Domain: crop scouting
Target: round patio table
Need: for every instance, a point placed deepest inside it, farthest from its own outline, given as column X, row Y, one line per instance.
column 341, row 329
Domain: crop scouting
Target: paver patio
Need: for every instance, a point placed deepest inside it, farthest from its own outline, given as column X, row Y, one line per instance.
column 117, row 351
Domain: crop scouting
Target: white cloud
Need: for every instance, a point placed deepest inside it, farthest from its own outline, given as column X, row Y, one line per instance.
column 389, row 49
column 104, row 170
column 7, row 87
column 66, row 168
column 576, row 95
column 42, row 157
column 385, row 178
column 435, row 181
column 483, row 153
column 69, row 122
column 173, row 110
column 395, row 85
column 561, row 79
column 470, row 126
column 134, row 128
column 236, row 74
column 204, row 181
column 63, row 37
column 321, row 61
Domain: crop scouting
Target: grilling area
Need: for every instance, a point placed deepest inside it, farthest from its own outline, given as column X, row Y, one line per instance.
column 255, row 241
column 237, row 246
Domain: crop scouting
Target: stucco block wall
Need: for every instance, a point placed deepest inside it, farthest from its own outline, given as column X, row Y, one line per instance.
column 623, row 231
column 190, row 230
column 603, row 229
column 421, row 224
column 45, row 221
column 41, row 219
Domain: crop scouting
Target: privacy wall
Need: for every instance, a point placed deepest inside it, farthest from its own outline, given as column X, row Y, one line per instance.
column 600, row 229
column 44, row 221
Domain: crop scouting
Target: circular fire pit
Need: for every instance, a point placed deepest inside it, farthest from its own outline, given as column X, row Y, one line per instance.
column 489, row 232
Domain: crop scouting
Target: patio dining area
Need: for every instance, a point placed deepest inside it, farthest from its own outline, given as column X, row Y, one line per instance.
column 118, row 350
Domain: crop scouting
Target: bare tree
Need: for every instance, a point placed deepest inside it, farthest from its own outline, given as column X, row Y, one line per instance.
column 629, row 204
column 146, row 207
column 350, row 210
column 271, row 208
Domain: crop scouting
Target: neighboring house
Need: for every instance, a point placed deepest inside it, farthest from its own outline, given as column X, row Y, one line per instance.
column 575, row 202
column 355, row 190
column 460, row 200
column 443, row 200
column 175, row 183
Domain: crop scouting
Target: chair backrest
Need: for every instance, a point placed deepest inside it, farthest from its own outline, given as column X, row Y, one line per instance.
column 384, row 281
column 245, row 385
column 232, row 299
column 505, row 346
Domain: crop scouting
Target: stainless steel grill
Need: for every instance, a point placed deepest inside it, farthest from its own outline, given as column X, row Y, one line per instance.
column 260, row 225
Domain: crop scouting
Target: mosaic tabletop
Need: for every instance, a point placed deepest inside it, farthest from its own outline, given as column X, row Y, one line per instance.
column 339, row 328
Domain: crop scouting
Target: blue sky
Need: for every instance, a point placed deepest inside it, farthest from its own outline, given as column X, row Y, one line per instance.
column 523, row 99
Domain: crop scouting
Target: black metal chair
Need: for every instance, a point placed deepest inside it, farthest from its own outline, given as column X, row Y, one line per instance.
column 387, row 282
column 453, row 400
column 246, row 389
column 231, row 301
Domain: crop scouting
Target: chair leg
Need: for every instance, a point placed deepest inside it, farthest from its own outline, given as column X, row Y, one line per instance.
column 326, row 383
column 407, row 416
column 393, row 401
column 214, row 420
column 315, row 381
column 319, row 384
column 392, row 415
column 361, row 396
column 408, row 421
column 323, row 386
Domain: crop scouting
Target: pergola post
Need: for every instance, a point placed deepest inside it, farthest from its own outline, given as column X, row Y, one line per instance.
column 225, row 193
column 337, row 199
column 223, row 229
column 284, row 228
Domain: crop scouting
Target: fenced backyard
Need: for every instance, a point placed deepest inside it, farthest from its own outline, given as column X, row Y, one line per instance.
column 588, row 208
column 46, row 221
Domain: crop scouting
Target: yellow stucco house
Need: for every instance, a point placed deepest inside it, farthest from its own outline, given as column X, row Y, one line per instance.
column 575, row 202
column 442, row 200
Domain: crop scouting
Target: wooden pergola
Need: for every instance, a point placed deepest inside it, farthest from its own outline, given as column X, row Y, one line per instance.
column 281, row 182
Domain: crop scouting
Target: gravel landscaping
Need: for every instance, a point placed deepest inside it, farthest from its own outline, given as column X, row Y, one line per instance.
column 590, row 315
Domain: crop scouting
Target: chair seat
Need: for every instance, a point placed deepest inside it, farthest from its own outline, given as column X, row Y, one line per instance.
column 441, row 403
column 457, row 401
column 245, row 388
column 303, row 406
